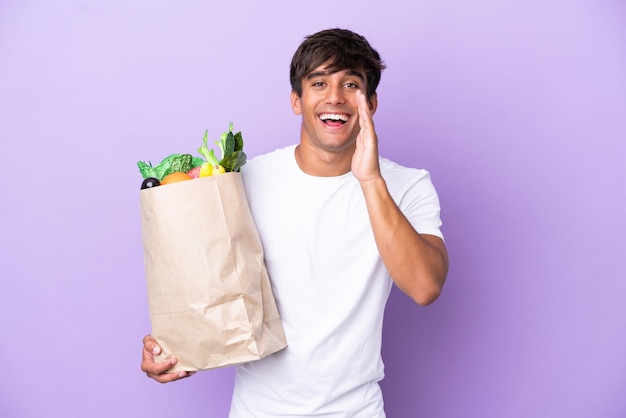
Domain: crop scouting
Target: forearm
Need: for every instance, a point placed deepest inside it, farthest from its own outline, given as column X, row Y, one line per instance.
column 417, row 263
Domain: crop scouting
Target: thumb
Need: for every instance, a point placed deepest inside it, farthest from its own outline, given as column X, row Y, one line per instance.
column 150, row 345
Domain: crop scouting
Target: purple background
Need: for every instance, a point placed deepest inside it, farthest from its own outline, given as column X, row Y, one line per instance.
column 518, row 109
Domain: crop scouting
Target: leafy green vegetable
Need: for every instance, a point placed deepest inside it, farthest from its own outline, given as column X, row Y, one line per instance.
column 233, row 161
column 146, row 169
column 231, row 147
column 207, row 153
column 196, row 162
column 238, row 142
column 170, row 164
column 181, row 163
column 232, row 157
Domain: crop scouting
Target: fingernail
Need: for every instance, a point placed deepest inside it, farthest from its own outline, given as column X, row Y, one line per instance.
column 156, row 349
column 182, row 374
column 173, row 361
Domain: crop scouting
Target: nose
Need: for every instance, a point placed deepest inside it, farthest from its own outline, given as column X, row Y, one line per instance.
column 335, row 94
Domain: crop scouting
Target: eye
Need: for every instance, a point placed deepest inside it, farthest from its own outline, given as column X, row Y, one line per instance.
column 351, row 85
column 318, row 84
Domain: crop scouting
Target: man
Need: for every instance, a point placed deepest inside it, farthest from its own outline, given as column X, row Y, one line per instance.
column 339, row 225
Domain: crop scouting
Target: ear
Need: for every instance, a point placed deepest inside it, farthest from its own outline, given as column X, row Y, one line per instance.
column 295, row 103
column 373, row 103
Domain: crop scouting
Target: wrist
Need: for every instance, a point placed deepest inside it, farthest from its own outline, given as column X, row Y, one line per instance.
column 373, row 184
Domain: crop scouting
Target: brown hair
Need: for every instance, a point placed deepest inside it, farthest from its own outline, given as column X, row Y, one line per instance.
column 342, row 49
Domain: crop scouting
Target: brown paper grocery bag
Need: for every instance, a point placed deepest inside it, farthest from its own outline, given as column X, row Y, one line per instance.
column 209, row 294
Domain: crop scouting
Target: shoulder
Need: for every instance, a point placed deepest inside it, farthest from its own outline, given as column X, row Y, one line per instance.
column 263, row 161
column 399, row 176
column 415, row 194
column 408, row 186
column 268, row 168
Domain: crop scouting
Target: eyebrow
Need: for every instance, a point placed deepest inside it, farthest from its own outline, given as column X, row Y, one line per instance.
column 323, row 73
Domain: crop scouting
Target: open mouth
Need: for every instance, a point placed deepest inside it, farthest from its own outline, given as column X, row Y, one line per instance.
column 334, row 119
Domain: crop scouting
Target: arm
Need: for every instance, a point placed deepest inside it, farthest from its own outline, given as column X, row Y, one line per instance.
column 417, row 263
column 158, row 371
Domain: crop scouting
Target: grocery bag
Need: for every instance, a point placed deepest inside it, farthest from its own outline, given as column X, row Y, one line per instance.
column 209, row 294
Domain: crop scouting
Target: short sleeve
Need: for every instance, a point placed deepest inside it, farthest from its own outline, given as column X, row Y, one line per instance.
column 416, row 196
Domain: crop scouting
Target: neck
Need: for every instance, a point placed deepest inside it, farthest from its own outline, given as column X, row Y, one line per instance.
column 320, row 163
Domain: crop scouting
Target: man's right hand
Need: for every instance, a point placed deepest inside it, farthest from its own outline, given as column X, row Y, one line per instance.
column 159, row 371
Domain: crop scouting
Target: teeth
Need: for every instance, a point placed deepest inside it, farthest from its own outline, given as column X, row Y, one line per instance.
column 334, row 116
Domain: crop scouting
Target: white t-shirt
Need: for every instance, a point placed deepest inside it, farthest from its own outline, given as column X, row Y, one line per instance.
column 330, row 285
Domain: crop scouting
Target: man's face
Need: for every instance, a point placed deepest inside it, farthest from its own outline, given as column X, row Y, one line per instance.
column 329, row 109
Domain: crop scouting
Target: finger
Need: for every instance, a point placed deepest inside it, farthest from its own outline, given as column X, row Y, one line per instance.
column 164, row 378
column 367, row 134
column 150, row 345
column 171, row 377
column 365, row 117
column 364, row 109
column 149, row 366
column 157, row 373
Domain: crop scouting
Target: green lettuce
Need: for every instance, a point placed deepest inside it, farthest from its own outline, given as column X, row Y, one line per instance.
column 170, row 164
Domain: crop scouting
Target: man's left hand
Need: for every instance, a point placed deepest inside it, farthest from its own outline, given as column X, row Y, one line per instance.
column 365, row 160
